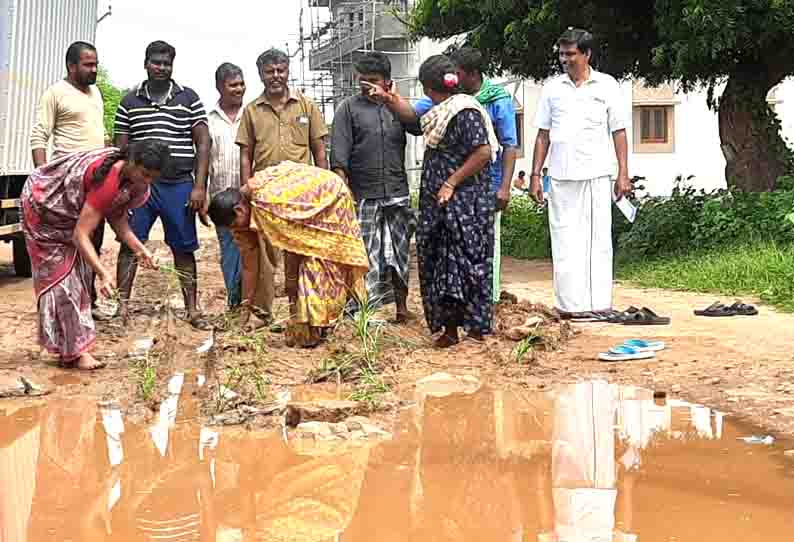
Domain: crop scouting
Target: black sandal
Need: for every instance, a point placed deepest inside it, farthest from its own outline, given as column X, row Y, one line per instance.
column 716, row 310
column 621, row 316
column 742, row 309
column 646, row 317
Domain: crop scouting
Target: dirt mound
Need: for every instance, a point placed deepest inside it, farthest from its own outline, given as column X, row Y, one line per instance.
column 522, row 320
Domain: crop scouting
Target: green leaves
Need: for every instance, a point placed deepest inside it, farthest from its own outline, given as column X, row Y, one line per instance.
column 111, row 95
column 695, row 41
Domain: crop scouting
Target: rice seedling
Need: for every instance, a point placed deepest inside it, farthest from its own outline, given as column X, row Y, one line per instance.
column 370, row 388
column 145, row 376
column 523, row 348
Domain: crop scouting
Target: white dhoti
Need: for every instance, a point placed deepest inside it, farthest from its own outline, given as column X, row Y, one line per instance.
column 580, row 220
column 583, row 467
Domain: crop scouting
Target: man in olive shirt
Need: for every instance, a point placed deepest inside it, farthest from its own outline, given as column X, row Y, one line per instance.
column 281, row 124
column 368, row 144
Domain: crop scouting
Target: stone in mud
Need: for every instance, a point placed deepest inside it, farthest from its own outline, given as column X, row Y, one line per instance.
column 360, row 424
column 355, row 423
column 442, row 384
column 325, row 410
column 20, row 386
column 316, row 431
column 338, row 428
column 373, row 431
column 233, row 417
column 11, row 386
column 528, row 328
column 364, row 430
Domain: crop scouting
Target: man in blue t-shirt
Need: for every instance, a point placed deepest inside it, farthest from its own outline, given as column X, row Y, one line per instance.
column 499, row 105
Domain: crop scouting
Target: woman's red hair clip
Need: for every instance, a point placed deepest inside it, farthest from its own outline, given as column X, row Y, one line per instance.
column 450, row 80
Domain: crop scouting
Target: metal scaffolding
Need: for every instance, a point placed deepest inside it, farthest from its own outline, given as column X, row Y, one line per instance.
column 333, row 34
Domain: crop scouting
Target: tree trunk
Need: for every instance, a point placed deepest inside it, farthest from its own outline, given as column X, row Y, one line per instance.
column 755, row 153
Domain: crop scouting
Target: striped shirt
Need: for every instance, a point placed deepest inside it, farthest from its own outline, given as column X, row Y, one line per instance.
column 224, row 153
column 172, row 122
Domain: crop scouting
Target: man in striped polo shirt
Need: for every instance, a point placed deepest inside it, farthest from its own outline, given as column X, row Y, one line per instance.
column 163, row 110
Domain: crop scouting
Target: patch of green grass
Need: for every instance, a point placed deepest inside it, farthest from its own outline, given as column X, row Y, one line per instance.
column 246, row 382
column 523, row 348
column 765, row 270
column 359, row 361
column 145, row 376
column 370, row 388
column 369, row 331
column 338, row 367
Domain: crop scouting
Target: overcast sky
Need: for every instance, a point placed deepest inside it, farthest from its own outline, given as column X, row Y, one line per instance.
column 205, row 33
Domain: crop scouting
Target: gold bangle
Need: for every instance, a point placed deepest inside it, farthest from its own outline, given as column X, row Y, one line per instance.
column 449, row 185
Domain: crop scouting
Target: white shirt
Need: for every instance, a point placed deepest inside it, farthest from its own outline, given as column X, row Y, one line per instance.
column 224, row 153
column 581, row 121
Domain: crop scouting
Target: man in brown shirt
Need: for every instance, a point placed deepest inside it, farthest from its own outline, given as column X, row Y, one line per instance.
column 281, row 124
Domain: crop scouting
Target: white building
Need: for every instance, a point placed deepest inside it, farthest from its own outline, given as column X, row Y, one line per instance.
column 670, row 133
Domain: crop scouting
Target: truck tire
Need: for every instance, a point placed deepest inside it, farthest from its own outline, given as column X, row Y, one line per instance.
column 21, row 258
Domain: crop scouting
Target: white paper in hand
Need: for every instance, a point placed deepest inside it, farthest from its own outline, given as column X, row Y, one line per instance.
column 626, row 207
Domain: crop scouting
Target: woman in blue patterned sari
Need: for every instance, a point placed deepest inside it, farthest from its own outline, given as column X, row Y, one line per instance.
column 454, row 238
column 456, row 207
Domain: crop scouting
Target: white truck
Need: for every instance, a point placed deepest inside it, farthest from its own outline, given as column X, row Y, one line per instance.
column 34, row 36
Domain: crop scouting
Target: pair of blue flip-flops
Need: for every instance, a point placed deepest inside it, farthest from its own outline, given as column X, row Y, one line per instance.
column 632, row 349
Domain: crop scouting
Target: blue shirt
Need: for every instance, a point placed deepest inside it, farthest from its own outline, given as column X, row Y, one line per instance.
column 503, row 118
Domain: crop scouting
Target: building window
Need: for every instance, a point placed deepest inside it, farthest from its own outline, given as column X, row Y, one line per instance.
column 654, row 128
column 653, row 125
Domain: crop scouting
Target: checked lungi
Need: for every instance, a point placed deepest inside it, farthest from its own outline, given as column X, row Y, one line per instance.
column 387, row 225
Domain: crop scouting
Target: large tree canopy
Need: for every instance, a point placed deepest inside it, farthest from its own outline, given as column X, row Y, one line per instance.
column 745, row 44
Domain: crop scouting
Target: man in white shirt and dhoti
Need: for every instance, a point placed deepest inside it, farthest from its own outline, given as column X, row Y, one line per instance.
column 581, row 126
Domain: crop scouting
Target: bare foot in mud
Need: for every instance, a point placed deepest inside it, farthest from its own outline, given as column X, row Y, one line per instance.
column 123, row 313
column 403, row 318
column 476, row 336
column 253, row 325
column 445, row 341
column 86, row 362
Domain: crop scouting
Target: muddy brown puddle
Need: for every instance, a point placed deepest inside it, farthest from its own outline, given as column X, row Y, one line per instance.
column 585, row 462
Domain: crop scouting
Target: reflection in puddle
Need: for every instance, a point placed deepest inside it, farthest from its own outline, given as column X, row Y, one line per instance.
column 65, row 379
column 586, row 462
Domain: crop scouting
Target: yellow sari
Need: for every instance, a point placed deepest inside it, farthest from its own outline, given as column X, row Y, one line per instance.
column 310, row 214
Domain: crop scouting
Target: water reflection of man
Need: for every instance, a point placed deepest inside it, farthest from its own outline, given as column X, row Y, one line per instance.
column 72, row 474
column 587, row 493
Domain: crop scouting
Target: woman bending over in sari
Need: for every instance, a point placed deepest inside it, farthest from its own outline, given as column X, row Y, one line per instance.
column 62, row 204
column 309, row 213
column 454, row 240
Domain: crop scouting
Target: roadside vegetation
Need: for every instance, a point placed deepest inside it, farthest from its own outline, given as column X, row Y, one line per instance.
column 728, row 242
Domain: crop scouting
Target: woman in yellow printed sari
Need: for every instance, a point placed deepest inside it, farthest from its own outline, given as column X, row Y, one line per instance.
column 310, row 214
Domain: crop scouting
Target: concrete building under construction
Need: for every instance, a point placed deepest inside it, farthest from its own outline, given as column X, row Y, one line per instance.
column 336, row 33
column 343, row 30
